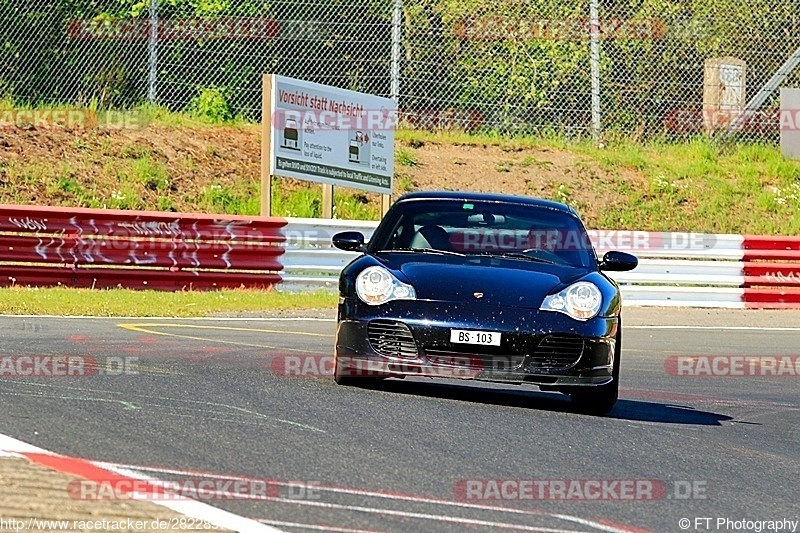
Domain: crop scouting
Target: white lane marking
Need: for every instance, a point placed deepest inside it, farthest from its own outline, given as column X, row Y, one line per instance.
column 731, row 328
column 315, row 527
column 373, row 494
column 9, row 446
column 426, row 516
column 201, row 318
column 131, row 471
column 591, row 523
column 186, row 507
column 340, row 490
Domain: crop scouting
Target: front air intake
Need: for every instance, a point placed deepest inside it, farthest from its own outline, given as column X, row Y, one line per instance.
column 392, row 339
column 556, row 352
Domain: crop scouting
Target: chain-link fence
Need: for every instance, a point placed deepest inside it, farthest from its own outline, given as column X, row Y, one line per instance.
column 572, row 67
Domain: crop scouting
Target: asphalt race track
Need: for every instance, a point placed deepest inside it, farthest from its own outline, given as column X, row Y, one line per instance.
column 211, row 399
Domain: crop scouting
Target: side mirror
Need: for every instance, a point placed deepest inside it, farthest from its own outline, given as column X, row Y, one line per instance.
column 618, row 261
column 350, row 241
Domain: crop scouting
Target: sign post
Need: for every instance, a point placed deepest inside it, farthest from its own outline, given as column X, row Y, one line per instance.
column 790, row 123
column 327, row 200
column 266, row 147
column 328, row 135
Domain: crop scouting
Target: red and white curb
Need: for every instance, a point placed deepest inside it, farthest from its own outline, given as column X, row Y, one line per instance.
column 121, row 474
column 95, row 471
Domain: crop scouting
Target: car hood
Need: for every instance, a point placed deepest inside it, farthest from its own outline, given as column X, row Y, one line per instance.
column 490, row 281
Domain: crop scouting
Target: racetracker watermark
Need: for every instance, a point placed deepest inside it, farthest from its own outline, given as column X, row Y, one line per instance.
column 733, row 365
column 760, row 121
column 489, row 239
column 578, row 490
column 707, row 523
column 575, row 29
column 73, row 119
column 789, row 119
column 175, row 29
column 196, row 489
column 460, row 367
column 337, row 116
column 66, row 366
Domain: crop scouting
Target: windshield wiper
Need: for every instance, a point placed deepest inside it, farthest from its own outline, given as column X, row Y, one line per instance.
column 517, row 255
column 425, row 250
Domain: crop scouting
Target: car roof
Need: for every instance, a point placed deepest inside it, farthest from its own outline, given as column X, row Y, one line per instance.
column 486, row 197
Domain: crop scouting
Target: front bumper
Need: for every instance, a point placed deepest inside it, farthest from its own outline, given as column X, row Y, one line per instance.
column 412, row 338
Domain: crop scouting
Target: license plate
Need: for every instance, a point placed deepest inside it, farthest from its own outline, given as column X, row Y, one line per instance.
column 484, row 338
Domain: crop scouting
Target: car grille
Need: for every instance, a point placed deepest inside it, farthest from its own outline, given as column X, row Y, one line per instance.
column 465, row 349
column 555, row 352
column 391, row 338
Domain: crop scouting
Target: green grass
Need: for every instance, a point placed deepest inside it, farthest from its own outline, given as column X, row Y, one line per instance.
column 242, row 200
column 403, row 183
column 406, row 157
column 122, row 302
column 205, row 111
column 704, row 186
column 504, row 166
column 306, row 202
column 696, row 185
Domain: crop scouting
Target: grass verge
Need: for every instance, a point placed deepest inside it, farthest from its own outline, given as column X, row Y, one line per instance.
column 122, row 302
column 701, row 184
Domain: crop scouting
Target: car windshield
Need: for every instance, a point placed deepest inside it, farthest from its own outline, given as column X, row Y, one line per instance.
column 475, row 228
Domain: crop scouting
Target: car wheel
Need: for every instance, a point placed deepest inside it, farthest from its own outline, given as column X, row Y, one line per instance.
column 601, row 400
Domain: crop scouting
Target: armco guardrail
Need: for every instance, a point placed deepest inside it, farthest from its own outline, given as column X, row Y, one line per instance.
column 675, row 269
column 42, row 246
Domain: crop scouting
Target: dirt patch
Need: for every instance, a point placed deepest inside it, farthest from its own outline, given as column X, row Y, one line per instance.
column 171, row 168
column 542, row 172
column 96, row 168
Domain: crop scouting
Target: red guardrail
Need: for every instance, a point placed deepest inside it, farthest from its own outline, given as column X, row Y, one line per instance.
column 100, row 248
column 771, row 271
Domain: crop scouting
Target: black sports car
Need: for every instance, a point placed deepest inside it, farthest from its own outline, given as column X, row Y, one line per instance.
column 480, row 286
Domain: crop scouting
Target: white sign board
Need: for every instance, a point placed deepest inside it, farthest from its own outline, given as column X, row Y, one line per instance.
column 331, row 135
column 731, row 79
column 790, row 123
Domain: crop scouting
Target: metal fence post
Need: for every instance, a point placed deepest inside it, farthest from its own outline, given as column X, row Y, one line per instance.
column 394, row 91
column 594, row 62
column 152, row 46
column 397, row 50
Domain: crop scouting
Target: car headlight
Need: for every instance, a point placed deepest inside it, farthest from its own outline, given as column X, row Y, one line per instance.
column 376, row 285
column 580, row 300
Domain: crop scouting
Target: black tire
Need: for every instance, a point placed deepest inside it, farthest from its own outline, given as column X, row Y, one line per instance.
column 600, row 400
column 597, row 400
column 338, row 374
column 342, row 377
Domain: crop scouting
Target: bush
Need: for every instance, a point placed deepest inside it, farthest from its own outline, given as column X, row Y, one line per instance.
column 211, row 105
